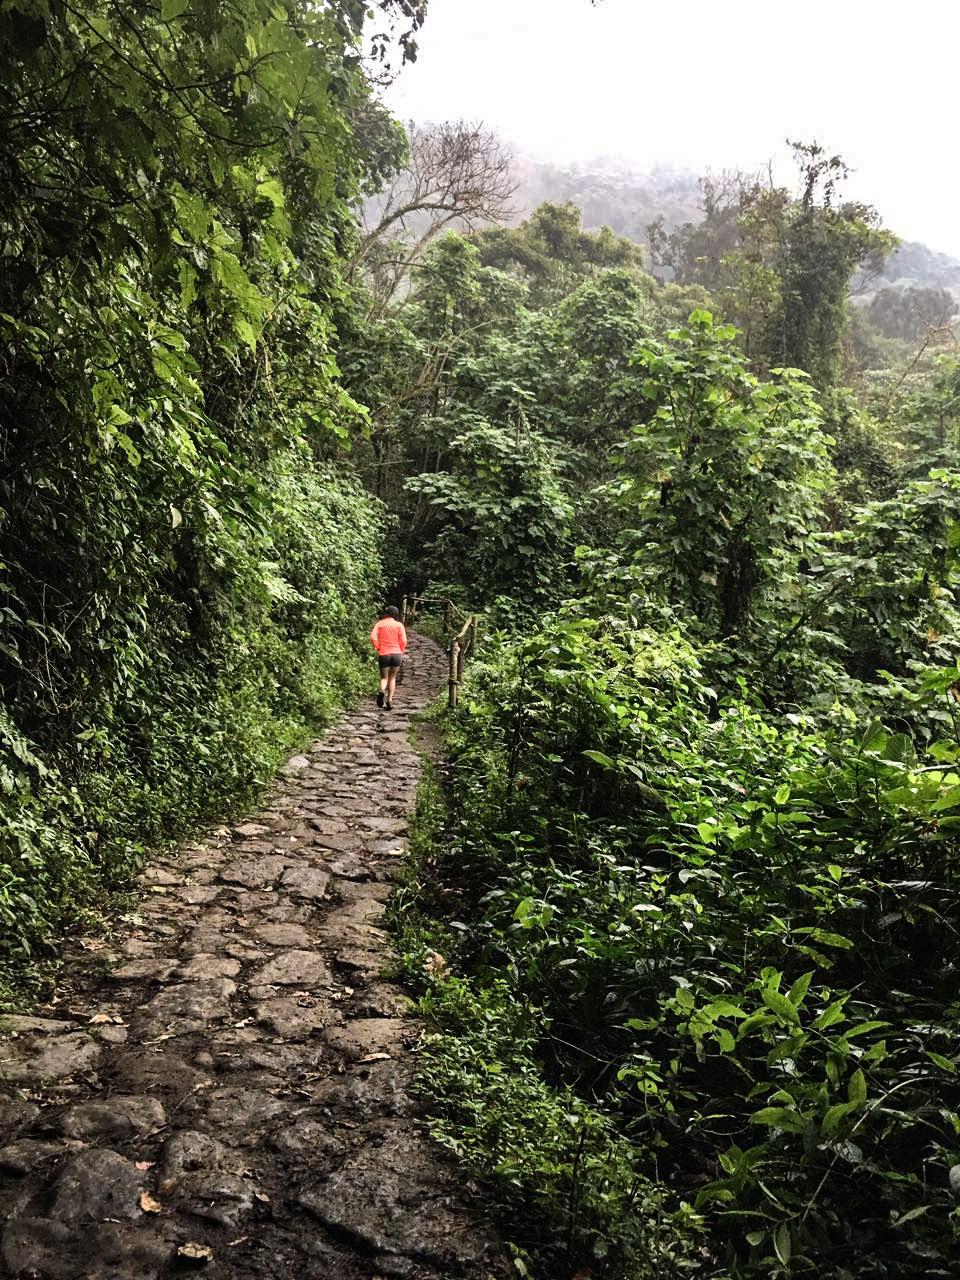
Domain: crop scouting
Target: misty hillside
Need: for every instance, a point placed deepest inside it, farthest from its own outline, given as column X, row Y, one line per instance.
column 610, row 194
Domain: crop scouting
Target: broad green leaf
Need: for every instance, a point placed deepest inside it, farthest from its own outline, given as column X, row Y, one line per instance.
column 780, row 1118
column 782, row 1245
column 780, row 1005
column 857, row 1088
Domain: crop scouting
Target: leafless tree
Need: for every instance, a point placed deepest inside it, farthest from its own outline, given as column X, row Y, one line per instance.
column 456, row 174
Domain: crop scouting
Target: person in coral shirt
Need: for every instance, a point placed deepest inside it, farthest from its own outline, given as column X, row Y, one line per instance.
column 389, row 638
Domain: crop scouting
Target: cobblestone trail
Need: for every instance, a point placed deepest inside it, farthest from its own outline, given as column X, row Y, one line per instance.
column 226, row 1089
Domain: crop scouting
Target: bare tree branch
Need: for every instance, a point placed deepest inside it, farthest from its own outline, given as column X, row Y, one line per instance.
column 456, row 174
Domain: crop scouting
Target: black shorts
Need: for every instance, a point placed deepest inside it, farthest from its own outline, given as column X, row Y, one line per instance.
column 389, row 660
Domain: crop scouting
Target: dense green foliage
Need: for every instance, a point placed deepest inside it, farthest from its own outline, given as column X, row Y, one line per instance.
column 692, row 874
column 183, row 568
column 684, row 902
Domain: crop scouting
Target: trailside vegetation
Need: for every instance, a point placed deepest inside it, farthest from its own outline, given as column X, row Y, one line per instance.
column 683, row 904
column 183, row 557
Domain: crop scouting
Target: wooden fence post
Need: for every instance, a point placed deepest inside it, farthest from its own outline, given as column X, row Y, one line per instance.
column 454, row 679
column 403, row 611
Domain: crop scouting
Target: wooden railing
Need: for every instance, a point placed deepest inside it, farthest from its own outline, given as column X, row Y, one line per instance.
column 461, row 646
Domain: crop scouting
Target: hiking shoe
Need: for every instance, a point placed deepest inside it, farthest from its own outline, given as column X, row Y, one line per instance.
column 388, row 705
column 379, row 699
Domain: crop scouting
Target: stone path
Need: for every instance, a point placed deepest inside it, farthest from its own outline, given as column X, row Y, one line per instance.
column 225, row 1086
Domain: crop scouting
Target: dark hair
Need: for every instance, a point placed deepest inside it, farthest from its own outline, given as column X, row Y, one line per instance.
column 391, row 611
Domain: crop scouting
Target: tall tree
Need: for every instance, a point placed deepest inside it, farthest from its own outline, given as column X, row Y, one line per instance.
column 452, row 175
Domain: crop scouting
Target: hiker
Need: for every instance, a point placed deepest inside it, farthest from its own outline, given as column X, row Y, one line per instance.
column 389, row 638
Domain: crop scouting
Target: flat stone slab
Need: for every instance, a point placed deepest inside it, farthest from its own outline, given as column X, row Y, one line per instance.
column 151, row 968
column 339, row 842
column 194, row 894
column 109, row 1251
column 290, row 1020
column 17, row 1024
column 255, row 873
column 283, row 935
column 249, row 829
column 242, row 1110
column 205, row 965
column 294, row 969
column 392, row 1199
column 114, row 1119
column 31, row 1059
column 184, row 1007
column 27, row 1154
column 362, row 1036
column 305, row 882
column 97, row 1184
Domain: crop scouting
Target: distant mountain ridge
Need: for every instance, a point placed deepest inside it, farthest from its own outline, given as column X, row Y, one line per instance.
column 611, row 194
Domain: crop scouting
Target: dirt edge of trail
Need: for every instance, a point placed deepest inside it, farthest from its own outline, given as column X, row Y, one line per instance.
column 225, row 1087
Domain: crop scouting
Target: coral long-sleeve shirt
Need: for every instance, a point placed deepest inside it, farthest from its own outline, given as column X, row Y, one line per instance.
column 389, row 636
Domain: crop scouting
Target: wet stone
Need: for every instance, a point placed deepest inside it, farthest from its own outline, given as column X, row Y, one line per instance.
column 244, row 1111
column 283, row 935
column 112, row 1251
column 305, row 882
column 114, row 1119
column 94, row 1185
column 46, row 1057
column 311, row 1139
column 255, row 873
column 392, row 1199
column 361, row 1036
column 188, row 1150
column 147, row 968
column 149, row 1070
column 294, row 968
column 296, row 764
column 369, row 1092
column 27, row 1154
column 289, row 1020
column 218, row 1197
column 270, row 1062
column 185, row 1007
column 16, row 1115
column 205, row 965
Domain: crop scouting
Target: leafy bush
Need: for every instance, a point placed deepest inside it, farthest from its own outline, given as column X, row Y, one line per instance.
column 738, row 934
column 181, row 566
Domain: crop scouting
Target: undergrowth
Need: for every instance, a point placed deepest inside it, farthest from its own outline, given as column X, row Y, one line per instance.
column 569, row 1190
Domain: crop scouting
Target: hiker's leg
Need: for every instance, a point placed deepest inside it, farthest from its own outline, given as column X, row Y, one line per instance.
column 391, row 682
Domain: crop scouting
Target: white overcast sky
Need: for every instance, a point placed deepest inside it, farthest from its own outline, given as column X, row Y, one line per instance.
column 699, row 84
